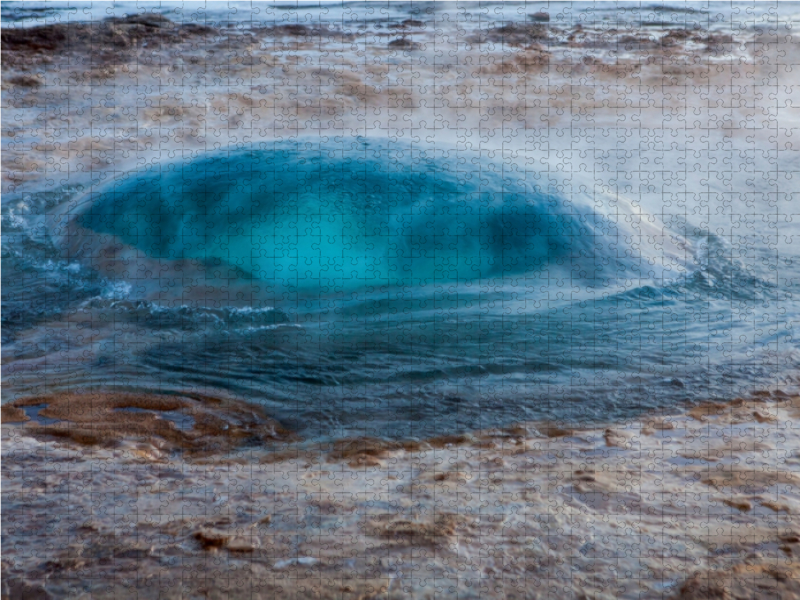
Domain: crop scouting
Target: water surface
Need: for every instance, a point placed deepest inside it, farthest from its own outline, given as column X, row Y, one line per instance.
column 378, row 287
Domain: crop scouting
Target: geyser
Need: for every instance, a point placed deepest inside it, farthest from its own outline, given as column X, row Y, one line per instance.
column 371, row 217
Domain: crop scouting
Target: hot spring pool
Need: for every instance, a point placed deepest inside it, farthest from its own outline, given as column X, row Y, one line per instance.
column 370, row 287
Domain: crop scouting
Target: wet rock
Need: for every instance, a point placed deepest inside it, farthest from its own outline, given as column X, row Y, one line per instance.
column 514, row 34
column 637, row 42
column 776, row 506
column 361, row 452
column 409, row 532
column 749, row 481
column 408, row 23
column 742, row 581
column 405, row 44
column 717, row 38
column 554, row 431
column 718, row 43
column 211, row 539
column 146, row 19
column 675, row 36
column 540, row 17
column 444, row 441
column 26, row 81
column 135, row 552
column 740, row 504
column 351, row 518
column 44, row 38
column 103, row 41
column 21, row 589
column 192, row 423
column 651, row 426
column 13, row 414
column 459, row 477
column 296, row 30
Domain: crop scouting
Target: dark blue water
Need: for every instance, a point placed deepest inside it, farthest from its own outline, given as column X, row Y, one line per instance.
column 372, row 219
column 369, row 287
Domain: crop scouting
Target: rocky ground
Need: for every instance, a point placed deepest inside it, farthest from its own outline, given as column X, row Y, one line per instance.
column 699, row 505
column 90, row 99
column 172, row 496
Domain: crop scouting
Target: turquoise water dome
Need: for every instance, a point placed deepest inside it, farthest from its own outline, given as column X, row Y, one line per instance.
column 323, row 219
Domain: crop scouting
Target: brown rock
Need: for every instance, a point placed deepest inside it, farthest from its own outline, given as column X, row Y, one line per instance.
column 443, row 441
column 513, row 34
column 553, row 431
column 776, row 506
column 26, row 81
column 193, row 423
column 365, row 451
column 748, row 481
column 13, row 414
column 738, row 503
column 402, row 532
column 101, row 42
column 212, row 539
column 743, row 581
column 405, row 44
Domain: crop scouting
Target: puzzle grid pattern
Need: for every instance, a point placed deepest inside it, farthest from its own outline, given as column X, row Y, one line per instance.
column 610, row 413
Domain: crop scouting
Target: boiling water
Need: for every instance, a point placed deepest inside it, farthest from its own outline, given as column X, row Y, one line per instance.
column 375, row 287
column 589, row 249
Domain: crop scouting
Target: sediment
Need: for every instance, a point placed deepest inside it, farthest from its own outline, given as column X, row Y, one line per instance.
column 699, row 504
column 200, row 86
column 192, row 423
column 108, row 41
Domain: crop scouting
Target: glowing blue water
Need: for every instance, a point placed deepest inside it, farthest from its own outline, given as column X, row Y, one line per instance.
column 372, row 288
column 372, row 218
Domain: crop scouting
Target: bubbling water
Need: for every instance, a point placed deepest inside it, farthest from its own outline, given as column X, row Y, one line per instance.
column 372, row 286
column 373, row 217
